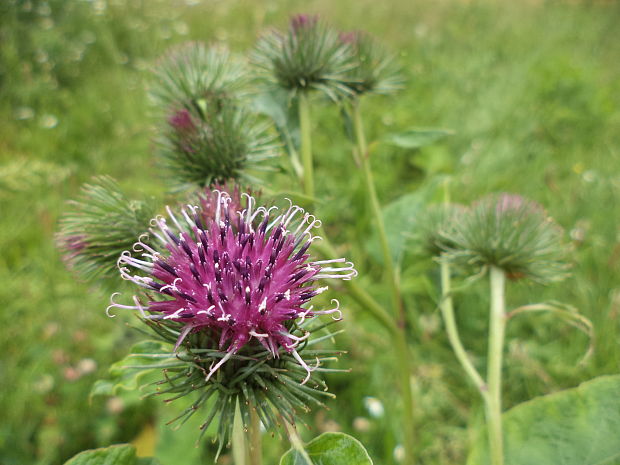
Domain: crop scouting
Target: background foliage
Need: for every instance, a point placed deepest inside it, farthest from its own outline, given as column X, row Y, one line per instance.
column 531, row 90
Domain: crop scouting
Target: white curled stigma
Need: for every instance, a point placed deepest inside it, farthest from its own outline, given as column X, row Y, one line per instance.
column 297, row 339
column 138, row 306
column 331, row 311
column 258, row 335
column 305, row 366
column 172, row 286
column 307, row 313
column 345, row 272
column 141, row 246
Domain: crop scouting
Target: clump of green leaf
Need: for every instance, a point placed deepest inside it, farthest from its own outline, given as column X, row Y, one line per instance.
column 373, row 70
column 252, row 378
column 511, row 233
column 308, row 56
column 99, row 226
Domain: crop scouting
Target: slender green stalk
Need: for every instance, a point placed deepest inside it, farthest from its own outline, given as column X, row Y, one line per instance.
column 306, row 144
column 255, row 440
column 403, row 353
column 447, row 312
column 362, row 151
column 497, row 329
column 297, row 443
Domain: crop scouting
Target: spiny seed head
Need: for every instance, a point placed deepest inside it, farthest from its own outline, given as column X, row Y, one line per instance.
column 434, row 227
column 194, row 72
column 308, row 56
column 245, row 276
column 512, row 233
column 214, row 142
column 98, row 226
column 373, row 70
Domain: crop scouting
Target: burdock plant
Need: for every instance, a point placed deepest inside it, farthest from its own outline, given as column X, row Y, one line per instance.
column 193, row 72
column 510, row 237
column 99, row 226
column 206, row 132
column 307, row 57
column 373, row 69
column 230, row 290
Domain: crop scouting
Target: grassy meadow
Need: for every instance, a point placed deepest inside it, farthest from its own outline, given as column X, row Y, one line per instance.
column 531, row 91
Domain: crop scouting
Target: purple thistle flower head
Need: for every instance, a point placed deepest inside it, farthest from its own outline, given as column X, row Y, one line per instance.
column 303, row 21
column 350, row 37
column 245, row 275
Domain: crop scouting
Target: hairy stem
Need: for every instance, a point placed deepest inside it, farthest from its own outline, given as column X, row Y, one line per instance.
column 297, row 443
column 306, row 144
column 403, row 354
column 497, row 328
column 447, row 312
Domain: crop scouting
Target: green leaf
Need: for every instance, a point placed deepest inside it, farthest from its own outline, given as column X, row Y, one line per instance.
column 120, row 454
column 578, row 426
column 145, row 358
column 330, row 449
column 416, row 138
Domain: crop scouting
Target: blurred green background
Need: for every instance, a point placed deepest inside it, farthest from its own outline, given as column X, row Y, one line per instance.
column 531, row 90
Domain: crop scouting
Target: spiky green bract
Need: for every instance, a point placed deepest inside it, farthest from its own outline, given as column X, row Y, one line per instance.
column 192, row 72
column 511, row 233
column 308, row 56
column 253, row 378
column 99, row 226
column 374, row 70
column 215, row 142
column 434, row 226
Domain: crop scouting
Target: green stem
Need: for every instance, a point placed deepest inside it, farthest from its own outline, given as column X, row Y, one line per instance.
column 255, row 440
column 497, row 327
column 306, row 144
column 403, row 354
column 390, row 274
column 297, row 443
column 447, row 312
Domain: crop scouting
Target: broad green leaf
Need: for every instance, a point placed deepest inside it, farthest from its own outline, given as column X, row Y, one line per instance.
column 579, row 426
column 416, row 138
column 120, row 454
column 330, row 449
column 278, row 106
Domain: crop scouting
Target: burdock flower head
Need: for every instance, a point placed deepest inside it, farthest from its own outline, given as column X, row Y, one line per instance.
column 434, row 227
column 207, row 135
column 308, row 56
column 89, row 243
column 233, row 293
column 511, row 233
column 373, row 70
column 215, row 143
column 193, row 72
